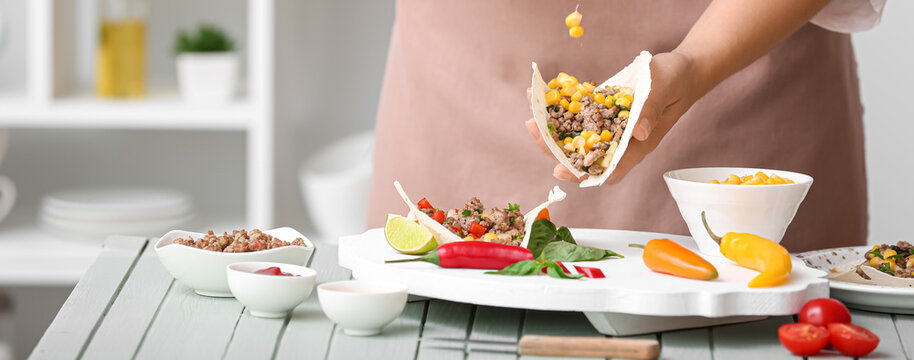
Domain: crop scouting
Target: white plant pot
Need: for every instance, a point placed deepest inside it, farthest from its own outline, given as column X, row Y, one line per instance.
column 207, row 77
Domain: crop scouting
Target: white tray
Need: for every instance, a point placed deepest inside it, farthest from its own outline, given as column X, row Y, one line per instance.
column 887, row 299
column 630, row 300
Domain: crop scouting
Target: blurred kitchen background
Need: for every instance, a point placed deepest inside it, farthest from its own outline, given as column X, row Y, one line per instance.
column 309, row 78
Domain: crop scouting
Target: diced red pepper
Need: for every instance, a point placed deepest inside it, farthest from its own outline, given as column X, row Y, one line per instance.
column 457, row 230
column 438, row 216
column 477, row 230
column 590, row 272
column 424, row 204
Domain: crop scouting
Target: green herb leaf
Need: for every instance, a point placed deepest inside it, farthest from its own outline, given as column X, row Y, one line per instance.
column 886, row 268
column 466, row 213
column 877, row 253
column 897, row 256
column 575, row 134
column 479, row 211
column 564, row 234
column 554, row 270
column 511, row 220
column 542, row 232
column 208, row 38
column 520, row 268
column 565, row 251
column 551, row 128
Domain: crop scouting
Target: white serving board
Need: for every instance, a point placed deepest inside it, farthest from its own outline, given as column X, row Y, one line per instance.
column 629, row 288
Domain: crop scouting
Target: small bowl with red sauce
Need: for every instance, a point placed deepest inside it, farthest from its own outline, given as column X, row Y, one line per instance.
column 270, row 289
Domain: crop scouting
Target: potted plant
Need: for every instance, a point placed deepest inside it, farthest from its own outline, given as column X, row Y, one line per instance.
column 207, row 65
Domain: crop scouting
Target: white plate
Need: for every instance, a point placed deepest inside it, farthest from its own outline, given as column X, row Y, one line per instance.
column 116, row 204
column 629, row 289
column 887, row 299
column 100, row 229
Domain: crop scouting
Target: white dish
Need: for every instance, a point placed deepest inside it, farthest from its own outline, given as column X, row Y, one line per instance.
column 204, row 270
column 887, row 299
column 116, row 204
column 362, row 308
column 101, row 229
column 630, row 291
column 270, row 296
column 763, row 210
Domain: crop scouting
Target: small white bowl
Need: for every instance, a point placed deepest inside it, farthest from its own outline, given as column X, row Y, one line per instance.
column 270, row 296
column 362, row 308
column 763, row 210
column 204, row 270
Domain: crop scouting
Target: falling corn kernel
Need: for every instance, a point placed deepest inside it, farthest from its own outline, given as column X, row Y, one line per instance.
column 576, row 31
column 573, row 19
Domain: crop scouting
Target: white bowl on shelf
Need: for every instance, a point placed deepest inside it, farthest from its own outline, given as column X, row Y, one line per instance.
column 763, row 210
column 204, row 270
column 362, row 308
column 334, row 183
column 270, row 296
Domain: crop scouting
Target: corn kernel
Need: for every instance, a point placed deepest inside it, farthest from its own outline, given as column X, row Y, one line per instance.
column 626, row 90
column 606, row 135
column 573, row 19
column 586, row 133
column 569, row 83
column 746, row 178
column 910, row 262
column 577, row 96
column 761, row 175
column 552, row 97
column 561, row 77
column 592, row 140
column 609, row 102
column 566, row 140
column 733, row 179
column 576, row 31
column 564, row 103
column 599, row 98
column 575, row 107
column 578, row 142
column 889, row 253
column 568, row 91
column 469, row 238
column 754, row 181
column 489, row 237
column 623, row 114
column 624, row 103
column 588, row 87
column 568, row 146
column 715, row 182
column 875, row 262
column 553, row 83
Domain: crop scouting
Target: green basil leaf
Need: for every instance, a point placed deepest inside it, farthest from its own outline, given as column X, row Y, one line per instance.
column 541, row 233
column 554, row 270
column 886, row 268
column 564, row 234
column 466, row 213
column 520, row 268
column 877, row 253
column 565, row 251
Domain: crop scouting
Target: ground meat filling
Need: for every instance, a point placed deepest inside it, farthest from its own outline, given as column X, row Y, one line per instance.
column 506, row 224
column 238, row 241
column 897, row 260
column 595, row 117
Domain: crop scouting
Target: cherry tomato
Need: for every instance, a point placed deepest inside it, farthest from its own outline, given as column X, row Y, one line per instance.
column 803, row 339
column 821, row 312
column 424, row 204
column 438, row 216
column 852, row 340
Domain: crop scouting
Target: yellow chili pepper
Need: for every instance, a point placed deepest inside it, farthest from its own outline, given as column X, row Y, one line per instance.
column 756, row 253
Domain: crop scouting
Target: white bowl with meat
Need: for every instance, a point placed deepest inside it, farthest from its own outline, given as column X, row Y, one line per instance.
column 199, row 260
column 763, row 210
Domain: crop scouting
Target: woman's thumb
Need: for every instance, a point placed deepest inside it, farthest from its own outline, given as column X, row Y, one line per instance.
column 650, row 115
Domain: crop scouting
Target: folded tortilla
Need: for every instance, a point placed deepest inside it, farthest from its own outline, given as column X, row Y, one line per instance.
column 870, row 276
column 636, row 75
column 443, row 235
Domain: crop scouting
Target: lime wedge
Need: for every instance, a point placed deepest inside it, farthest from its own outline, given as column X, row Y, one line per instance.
column 408, row 237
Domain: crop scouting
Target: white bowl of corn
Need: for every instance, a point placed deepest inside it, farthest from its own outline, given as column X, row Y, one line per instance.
column 742, row 200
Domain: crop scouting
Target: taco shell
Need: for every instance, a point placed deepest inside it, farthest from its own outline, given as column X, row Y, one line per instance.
column 636, row 75
column 865, row 274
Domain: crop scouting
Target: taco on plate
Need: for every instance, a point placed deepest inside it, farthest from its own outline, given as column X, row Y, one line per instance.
column 586, row 126
column 473, row 221
column 886, row 265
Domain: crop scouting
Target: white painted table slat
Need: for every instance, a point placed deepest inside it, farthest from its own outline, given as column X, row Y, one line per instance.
column 128, row 306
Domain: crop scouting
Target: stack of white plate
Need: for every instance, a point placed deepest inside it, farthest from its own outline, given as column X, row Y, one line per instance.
column 101, row 212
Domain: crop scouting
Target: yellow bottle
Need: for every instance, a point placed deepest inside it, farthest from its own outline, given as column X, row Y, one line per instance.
column 120, row 69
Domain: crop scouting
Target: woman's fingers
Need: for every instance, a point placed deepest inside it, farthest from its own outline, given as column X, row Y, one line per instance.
column 537, row 138
column 562, row 173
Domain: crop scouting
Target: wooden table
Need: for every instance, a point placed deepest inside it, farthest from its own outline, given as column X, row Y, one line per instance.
column 128, row 306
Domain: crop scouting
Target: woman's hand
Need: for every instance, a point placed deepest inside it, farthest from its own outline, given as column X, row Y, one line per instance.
column 673, row 84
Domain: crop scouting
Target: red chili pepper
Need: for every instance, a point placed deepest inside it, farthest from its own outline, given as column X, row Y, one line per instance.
column 438, row 216
column 474, row 255
column 589, row 272
column 424, row 204
column 477, row 230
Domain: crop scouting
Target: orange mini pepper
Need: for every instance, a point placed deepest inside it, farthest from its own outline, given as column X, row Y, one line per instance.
column 668, row 257
column 543, row 214
column 756, row 253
